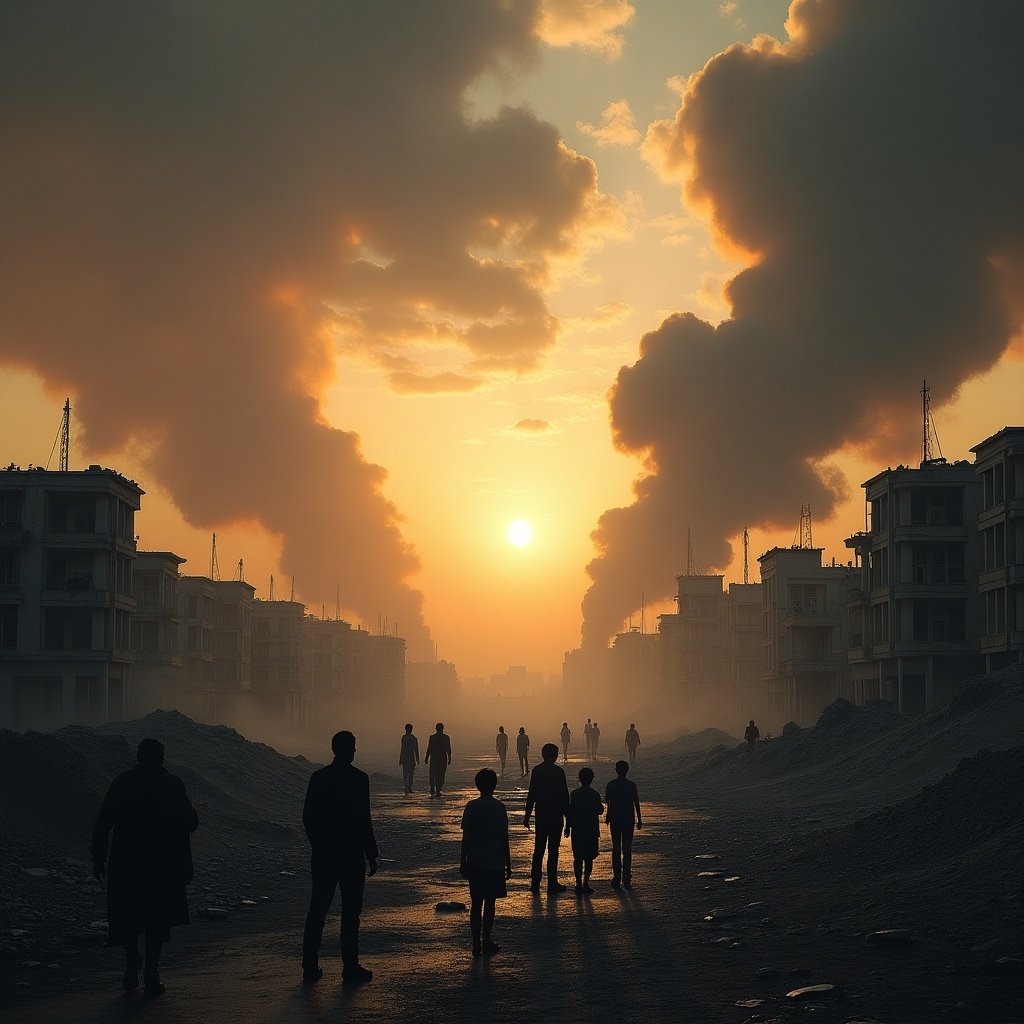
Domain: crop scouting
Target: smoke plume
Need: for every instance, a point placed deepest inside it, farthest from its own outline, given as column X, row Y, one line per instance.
column 200, row 201
column 870, row 166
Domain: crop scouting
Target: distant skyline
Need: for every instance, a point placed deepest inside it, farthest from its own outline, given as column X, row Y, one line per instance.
column 352, row 285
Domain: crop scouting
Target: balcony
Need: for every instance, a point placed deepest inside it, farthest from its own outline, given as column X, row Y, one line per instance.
column 14, row 536
column 812, row 666
column 944, row 591
column 74, row 590
column 808, row 617
column 925, row 533
column 860, row 652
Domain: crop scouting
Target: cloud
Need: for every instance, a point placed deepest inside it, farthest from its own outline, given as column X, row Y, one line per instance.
column 730, row 10
column 592, row 24
column 406, row 383
column 199, row 208
column 870, row 169
column 611, row 314
column 532, row 426
column 617, row 128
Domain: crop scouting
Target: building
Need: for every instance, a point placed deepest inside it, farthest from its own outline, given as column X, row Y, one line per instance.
column 999, row 463
column 67, row 544
column 157, row 641
column 803, row 633
column 432, row 687
column 743, row 633
column 914, row 606
column 281, row 686
column 702, row 657
column 633, row 669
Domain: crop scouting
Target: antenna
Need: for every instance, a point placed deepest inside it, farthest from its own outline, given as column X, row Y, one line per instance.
column 806, row 538
column 241, row 573
column 691, row 565
column 643, row 607
column 293, row 587
column 928, row 431
column 746, row 551
column 65, row 436
column 214, row 567
column 271, row 586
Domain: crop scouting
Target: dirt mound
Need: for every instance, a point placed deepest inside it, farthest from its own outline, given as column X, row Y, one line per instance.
column 696, row 743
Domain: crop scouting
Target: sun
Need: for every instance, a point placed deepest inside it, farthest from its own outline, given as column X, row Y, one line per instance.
column 520, row 533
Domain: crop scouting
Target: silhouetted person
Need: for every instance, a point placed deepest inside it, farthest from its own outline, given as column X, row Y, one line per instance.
column 523, row 750
column 409, row 757
column 150, row 860
column 632, row 741
column 565, row 736
column 623, row 815
column 588, row 730
column 336, row 816
column 486, row 860
column 584, row 825
column 501, row 746
column 549, row 794
column 438, row 756
column 752, row 734
column 595, row 738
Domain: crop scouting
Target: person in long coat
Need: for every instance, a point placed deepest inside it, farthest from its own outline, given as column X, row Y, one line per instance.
column 584, row 825
column 150, row 860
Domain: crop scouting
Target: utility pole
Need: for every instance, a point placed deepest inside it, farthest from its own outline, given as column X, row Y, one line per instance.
column 214, row 567
column 65, row 436
column 746, row 549
column 806, row 538
column 271, row 586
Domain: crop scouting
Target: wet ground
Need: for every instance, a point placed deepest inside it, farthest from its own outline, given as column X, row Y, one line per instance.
column 705, row 936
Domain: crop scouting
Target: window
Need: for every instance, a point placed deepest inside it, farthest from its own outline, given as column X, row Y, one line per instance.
column 938, row 622
column 8, row 628
column 995, row 612
column 10, row 510
column 9, row 567
column 71, row 513
column 880, row 514
column 994, row 547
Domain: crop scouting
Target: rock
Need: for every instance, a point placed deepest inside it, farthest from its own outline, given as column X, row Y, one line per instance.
column 720, row 915
column 1008, row 965
column 790, row 729
column 710, row 874
column 98, row 926
column 891, row 937
column 31, row 964
column 36, row 872
column 768, row 922
column 17, row 933
column 733, row 878
column 706, row 856
column 725, row 940
column 750, row 1004
column 248, row 903
column 450, row 907
column 213, row 913
column 287, row 873
column 756, row 905
column 812, row 992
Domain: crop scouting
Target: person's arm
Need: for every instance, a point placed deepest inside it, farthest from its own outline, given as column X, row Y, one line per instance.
column 448, row 748
column 531, row 799
column 464, row 847
column 607, row 805
column 101, row 833
column 426, row 756
column 636, row 806
column 565, row 796
column 369, row 840
column 416, row 749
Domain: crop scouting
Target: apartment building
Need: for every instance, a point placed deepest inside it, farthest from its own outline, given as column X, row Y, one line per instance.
column 803, row 633
column 634, row 668
column 743, row 634
column 914, row 608
column 157, row 641
column 702, row 659
column 999, row 463
column 281, row 684
column 67, row 544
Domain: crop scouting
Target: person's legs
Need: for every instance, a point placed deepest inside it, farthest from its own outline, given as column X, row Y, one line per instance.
column 488, row 924
column 351, row 884
column 627, row 856
column 554, row 839
column 433, row 778
column 588, row 868
column 324, row 878
column 151, row 971
column 475, row 907
column 616, row 855
column 538, row 857
column 577, row 869
column 442, row 771
column 132, row 963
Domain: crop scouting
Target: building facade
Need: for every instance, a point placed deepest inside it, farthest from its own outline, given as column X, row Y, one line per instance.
column 157, row 641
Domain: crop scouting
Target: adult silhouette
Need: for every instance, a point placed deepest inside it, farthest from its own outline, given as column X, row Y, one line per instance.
column 632, row 742
column 595, row 738
column 150, row 860
column 438, row 756
column 409, row 757
column 622, row 803
column 751, row 734
column 549, row 795
column 523, row 750
column 501, row 746
column 588, row 731
column 566, row 737
column 336, row 816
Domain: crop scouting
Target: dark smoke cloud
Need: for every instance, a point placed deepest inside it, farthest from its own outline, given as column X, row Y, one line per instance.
column 200, row 200
column 873, row 166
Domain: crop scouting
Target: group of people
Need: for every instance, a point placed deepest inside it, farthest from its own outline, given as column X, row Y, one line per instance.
column 147, row 863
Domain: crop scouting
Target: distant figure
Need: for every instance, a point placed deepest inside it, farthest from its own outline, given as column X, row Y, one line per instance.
column 501, row 746
column 409, row 757
column 632, row 742
column 588, row 731
column 565, row 736
column 595, row 738
column 336, row 817
column 523, row 750
column 438, row 756
column 623, row 814
column 751, row 735
column 150, row 861
column 584, row 825
column 549, row 793
column 486, row 861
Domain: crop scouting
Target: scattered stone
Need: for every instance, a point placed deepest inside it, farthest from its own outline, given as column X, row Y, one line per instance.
column 17, row 933
column 248, row 903
column 891, row 937
column 1008, row 965
column 36, row 872
column 707, row 856
column 725, row 940
column 768, row 922
column 811, row 992
column 21, row 984
column 99, row 926
column 756, row 905
column 450, row 907
column 213, row 913
column 710, row 874
column 750, row 1004
column 790, row 729
column 733, row 878
column 31, row 964
column 287, row 873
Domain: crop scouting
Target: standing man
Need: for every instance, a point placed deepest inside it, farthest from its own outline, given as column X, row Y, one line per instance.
column 523, row 750
column 409, row 757
column 438, row 756
column 549, row 794
column 501, row 746
column 595, row 736
column 751, row 735
column 565, row 736
column 623, row 814
column 588, row 731
column 150, row 860
column 336, row 816
column 632, row 742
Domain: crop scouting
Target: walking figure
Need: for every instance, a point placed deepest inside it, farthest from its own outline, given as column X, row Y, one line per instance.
column 565, row 736
column 486, row 861
column 595, row 737
column 588, row 732
column 336, row 816
column 438, row 756
column 752, row 734
column 523, row 750
column 549, row 794
column 623, row 814
column 409, row 757
column 632, row 742
column 150, row 861
column 584, row 825
column 501, row 746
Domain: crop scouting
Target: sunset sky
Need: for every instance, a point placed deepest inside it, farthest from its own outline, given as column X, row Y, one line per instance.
column 352, row 284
